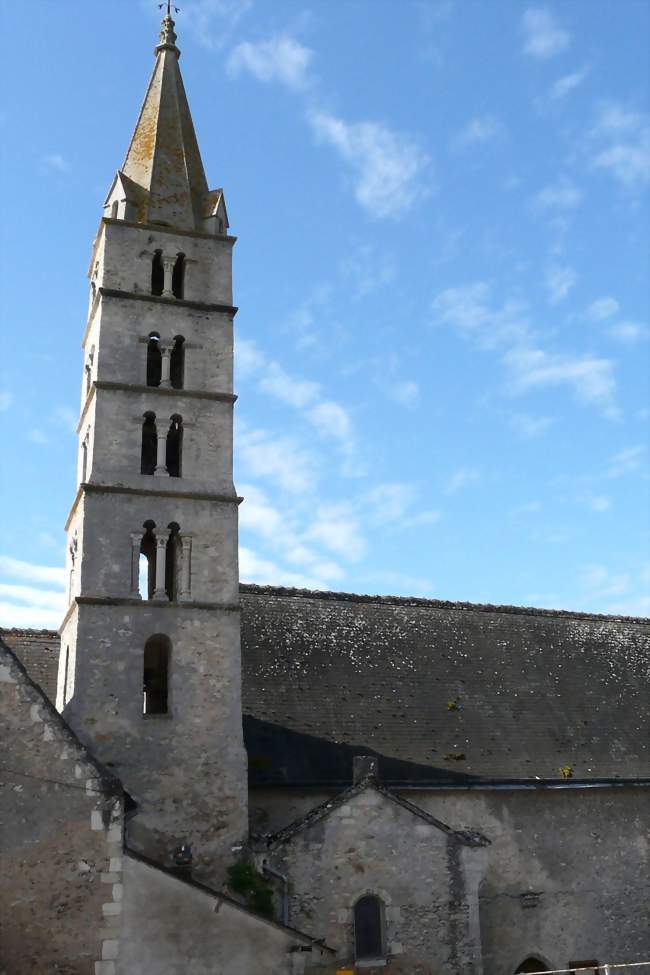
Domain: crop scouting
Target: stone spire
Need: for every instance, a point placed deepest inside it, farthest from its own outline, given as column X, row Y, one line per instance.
column 163, row 159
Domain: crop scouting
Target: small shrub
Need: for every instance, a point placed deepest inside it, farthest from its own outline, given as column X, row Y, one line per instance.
column 245, row 880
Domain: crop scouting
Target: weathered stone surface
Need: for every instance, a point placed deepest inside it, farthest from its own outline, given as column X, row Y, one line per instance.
column 58, row 809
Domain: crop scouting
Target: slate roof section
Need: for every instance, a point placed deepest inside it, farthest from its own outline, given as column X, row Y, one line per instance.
column 442, row 691
column 38, row 651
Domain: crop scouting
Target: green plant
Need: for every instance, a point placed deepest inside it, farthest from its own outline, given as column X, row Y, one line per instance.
column 245, row 880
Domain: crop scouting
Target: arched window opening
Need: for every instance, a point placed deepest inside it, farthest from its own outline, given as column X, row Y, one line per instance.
column 368, row 939
column 531, row 965
column 157, row 652
column 148, row 552
column 220, row 225
column 84, row 461
column 177, row 363
column 178, row 276
column 93, row 292
column 114, row 205
column 173, row 561
column 157, row 274
column 154, row 360
column 149, row 444
column 88, row 375
column 175, row 446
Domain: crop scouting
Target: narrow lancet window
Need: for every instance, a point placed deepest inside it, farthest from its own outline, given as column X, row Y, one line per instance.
column 172, row 561
column 177, row 363
column 157, row 274
column 368, row 939
column 114, row 206
column 148, row 553
column 175, row 446
column 157, row 653
column 178, row 277
column 149, row 444
column 154, row 360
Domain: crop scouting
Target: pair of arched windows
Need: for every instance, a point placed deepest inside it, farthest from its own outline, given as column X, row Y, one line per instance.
column 155, row 677
column 161, row 451
column 165, row 366
column 159, row 562
column 160, row 284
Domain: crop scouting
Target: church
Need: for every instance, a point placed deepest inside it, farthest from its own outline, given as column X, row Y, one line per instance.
column 200, row 776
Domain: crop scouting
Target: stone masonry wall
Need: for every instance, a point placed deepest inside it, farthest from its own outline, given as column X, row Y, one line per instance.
column 425, row 877
column 60, row 841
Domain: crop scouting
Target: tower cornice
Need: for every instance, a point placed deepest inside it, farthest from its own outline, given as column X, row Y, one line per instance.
column 87, row 487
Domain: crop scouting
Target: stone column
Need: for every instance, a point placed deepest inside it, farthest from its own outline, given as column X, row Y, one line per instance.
column 168, row 265
column 165, row 366
column 184, row 592
column 136, row 541
column 161, row 561
column 160, row 469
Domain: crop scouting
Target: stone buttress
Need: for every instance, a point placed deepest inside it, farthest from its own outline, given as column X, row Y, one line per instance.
column 149, row 674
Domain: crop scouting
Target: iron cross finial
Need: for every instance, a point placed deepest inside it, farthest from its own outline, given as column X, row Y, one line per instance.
column 170, row 6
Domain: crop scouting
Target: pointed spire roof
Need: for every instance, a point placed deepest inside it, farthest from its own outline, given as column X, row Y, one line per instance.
column 163, row 158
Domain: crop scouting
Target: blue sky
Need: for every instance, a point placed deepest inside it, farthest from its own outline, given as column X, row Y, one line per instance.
column 442, row 212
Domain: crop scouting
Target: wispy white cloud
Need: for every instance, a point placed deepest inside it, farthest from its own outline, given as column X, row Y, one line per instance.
column 337, row 527
column 629, row 460
column 621, row 145
column 279, row 59
column 56, row 162
column 266, row 572
column 332, row 420
column 30, row 605
column 41, row 598
column 368, row 269
column 394, row 505
column 483, row 128
column 567, row 83
column 470, row 309
column 461, row 479
column 543, row 37
column 406, row 393
column 530, row 426
column 602, row 308
column 559, row 281
column 591, row 378
column 17, row 569
column 629, row 333
column 562, row 195
column 39, row 436
column 599, row 503
column 281, row 459
column 213, row 22
column 388, row 166
column 291, row 390
column 28, row 616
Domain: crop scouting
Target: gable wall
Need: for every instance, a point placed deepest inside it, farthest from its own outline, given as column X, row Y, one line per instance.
column 427, row 881
column 60, row 842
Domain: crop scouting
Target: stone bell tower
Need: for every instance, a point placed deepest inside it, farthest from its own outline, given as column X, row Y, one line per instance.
column 149, row 675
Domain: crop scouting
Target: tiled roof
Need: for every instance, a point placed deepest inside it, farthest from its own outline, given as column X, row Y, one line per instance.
column 440, row 690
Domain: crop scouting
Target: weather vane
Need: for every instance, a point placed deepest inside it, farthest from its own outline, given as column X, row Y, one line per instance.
column 170, row 6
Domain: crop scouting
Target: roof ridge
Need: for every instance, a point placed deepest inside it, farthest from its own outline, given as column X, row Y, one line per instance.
column 253, row 588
